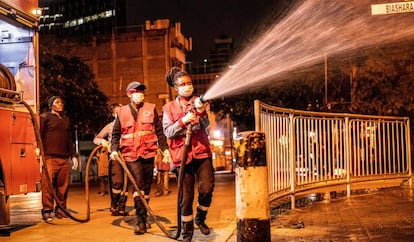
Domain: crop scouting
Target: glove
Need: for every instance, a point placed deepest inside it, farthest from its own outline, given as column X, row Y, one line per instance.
column 75, row 163
column 167, row 156
column 188, row 118
column 113, row 155
column 199, row 105
column 105, row 144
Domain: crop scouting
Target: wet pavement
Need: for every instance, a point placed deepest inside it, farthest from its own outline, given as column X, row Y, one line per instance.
column 380, row 214
column 369, row 215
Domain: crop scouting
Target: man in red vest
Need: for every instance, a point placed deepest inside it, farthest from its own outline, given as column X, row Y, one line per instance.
column 137, row 133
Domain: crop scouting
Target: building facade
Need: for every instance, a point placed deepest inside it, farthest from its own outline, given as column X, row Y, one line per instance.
column 96, row 31
column 143, row 55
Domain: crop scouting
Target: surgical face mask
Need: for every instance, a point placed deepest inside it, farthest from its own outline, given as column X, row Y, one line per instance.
column 137, row 97
column 185, row 91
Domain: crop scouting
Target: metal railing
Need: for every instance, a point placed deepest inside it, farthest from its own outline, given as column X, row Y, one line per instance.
column 309, row 150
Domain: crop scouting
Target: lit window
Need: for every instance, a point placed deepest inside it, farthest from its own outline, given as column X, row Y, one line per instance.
column 108, row 13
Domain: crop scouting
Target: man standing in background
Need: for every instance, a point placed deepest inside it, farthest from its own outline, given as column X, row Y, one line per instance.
column 58, row 149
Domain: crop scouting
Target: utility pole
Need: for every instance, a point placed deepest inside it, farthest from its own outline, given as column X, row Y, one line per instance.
column 326, row 82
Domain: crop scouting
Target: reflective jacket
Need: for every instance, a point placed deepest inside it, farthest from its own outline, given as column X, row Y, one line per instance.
column 138, row 138
column 200, row 144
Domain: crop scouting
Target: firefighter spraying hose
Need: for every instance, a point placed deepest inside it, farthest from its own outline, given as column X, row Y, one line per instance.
column 189, row 112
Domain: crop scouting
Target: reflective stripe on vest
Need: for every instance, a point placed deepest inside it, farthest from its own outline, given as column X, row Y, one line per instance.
column 138, row 138
column 137, row 134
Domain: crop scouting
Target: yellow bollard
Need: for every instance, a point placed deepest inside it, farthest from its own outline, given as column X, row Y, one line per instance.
column 252, row 198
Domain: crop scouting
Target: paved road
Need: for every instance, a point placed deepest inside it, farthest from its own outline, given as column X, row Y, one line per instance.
column 25, row 217
column 368, row 215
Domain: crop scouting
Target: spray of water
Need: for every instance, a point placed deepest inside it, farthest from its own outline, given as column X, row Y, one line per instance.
column 313, row 29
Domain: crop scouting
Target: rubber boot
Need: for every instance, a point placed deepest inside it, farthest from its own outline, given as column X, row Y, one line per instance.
column 141, row 214
column 200, row 221
column 114, row 204
column 140, row 228
column 121, row 206
column 188, row 230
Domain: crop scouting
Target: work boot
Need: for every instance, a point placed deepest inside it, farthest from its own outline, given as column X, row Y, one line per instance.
column 114, row 211
column 121, row 206
column 140, row 228
column 147, row 223
column 114, row 204
column 47, row 216
column 141, row 213
column 200, row 221
column 188, row 230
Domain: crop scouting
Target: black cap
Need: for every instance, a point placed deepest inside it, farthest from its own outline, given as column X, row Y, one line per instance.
column 136, row 86
column 51, row 100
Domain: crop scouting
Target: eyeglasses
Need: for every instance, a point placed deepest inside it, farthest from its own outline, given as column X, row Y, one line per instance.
column 184, row 84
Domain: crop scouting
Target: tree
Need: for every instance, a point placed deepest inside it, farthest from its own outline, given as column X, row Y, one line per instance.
column 383, row 82
column 73, row 80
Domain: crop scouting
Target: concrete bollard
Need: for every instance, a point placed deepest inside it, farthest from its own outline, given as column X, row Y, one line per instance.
column 252, row 198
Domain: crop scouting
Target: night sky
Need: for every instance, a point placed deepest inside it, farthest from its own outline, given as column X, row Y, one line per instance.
column 204, row 20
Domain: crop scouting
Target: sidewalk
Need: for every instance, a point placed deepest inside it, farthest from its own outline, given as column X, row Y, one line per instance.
column 372, row 215
column 368, row 215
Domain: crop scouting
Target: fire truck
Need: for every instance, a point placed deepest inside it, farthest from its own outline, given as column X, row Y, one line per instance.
column 19, row 101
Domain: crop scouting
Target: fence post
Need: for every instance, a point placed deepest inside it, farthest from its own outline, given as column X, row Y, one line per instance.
column 348, row 155
column 252, row 196
column 409, row 164
column 292, row 161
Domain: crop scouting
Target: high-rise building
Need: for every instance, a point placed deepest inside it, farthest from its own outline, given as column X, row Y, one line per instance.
column 81, row 17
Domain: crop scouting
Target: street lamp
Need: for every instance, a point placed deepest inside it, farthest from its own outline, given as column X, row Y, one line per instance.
column 205, row 63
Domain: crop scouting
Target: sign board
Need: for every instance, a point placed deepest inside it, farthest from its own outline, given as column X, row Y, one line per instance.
column 390, row 8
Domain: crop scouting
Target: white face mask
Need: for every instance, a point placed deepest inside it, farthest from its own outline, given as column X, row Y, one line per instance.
column 137, row 97
column 185, row 91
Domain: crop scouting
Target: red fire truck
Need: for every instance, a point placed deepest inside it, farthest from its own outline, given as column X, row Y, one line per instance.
column 19, row 91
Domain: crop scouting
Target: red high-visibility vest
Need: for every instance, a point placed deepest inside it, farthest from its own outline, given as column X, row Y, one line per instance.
column 138, row 138
column 200, row 144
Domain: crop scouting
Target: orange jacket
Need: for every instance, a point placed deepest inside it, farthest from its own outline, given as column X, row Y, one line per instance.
column 138, row 138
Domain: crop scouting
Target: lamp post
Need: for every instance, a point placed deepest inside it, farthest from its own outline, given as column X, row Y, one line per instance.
column 205, row 65
column 326, row 82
